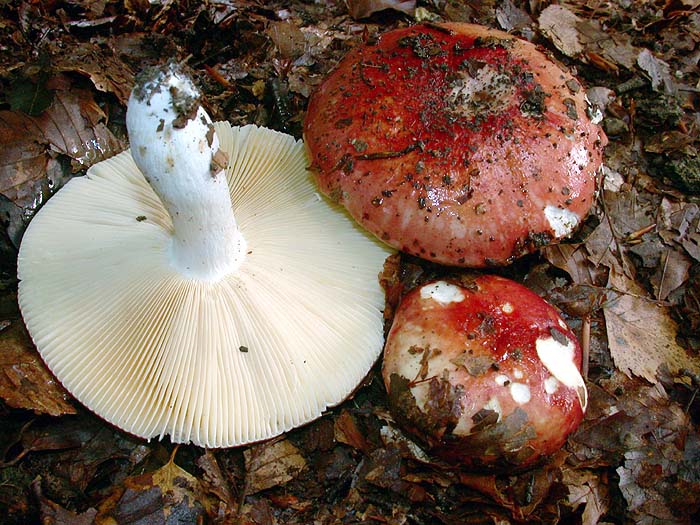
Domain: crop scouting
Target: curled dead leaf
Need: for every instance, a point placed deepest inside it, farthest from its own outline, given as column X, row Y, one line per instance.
column 24, row 380
column 363, row 8
column 271, row 464
column 642, row 334
column 558, row 24
column 167, row 495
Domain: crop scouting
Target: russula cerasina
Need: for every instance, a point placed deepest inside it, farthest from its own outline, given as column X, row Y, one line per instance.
column 164, row 314
column 456, row 143
column 484, row 373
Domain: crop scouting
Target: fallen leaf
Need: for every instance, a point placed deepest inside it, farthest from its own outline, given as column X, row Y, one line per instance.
column 641, row 333
column 215, row 480
column 54, row 514
column 106, row 71
column 559, row 25
column 510, row 16
column 659, row 72
column 588, row 489
column 165, row 496
column 363, row 8
column 288, row 38
column 649, row 441
column 393, row 437
column 620, row 50
column 74, row 125
column 671, row 273
column 346, row 431
column 25, row 381
column 670, row 141
column 603, row 249
column 650, row 251
column 574, row 260
column 271, row 464
column 24, row 161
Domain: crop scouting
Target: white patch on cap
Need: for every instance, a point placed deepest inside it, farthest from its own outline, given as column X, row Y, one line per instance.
column 488, row 90
column 494, row 405
column 562, row 221
column 551, row 385
column 507, row 308
column 517, row 373
column 559, row 360
column 442, row 292
column 520, row 393
column 501, row 379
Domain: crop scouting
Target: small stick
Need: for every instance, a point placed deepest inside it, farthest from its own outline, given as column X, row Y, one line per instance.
column 585, row 345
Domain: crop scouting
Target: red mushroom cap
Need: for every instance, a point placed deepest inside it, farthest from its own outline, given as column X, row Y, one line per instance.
column 455, row 143
column 486, row 375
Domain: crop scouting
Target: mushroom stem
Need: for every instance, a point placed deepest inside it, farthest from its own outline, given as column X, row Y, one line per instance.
column 174, row 144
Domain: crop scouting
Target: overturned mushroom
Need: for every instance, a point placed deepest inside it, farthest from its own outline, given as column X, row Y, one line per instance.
column 456, row 143
column 485, row 374
column 164, row 314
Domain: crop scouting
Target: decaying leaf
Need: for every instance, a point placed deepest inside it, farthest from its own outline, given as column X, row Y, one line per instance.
column 642, row 334
column 106, row 71
column 659, row 478
column 54, row 514
column 511, row 17
column 363, row 8
column 346, row 431
column 651, row 443
column 558, row 24
column 215, row 481
column 288, row 38
column 659, row 72
column 73, row 126
column 271, row 464
column 24, row 380
column 167, row 495
column 671, row 273
column 588, row 489
column 573, row 259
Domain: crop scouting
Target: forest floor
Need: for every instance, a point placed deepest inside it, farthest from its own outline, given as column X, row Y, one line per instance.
column 628, row 283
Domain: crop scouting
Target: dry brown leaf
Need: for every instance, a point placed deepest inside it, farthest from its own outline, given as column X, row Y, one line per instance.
column 659, row 72
column 347, row 432
column 363, row 8
column 288, row 38
column 671, row 273
column 603, row 249
column 559, row 25
column 23, row 158
column 215, row 481
column 642, row 334
column 54, row 514
column 512, row 17
column 586, row 488
column 24, row 380
column 271, row 464
column 574, row 260
column 105, row 70
column 74, row 125
column 167, row 495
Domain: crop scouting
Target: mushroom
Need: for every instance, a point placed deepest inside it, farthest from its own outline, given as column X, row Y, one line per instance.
column 456, row 143
column 484, row 373
column 164, row 314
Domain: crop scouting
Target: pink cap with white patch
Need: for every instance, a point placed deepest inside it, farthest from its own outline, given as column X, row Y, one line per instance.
column 485, row 373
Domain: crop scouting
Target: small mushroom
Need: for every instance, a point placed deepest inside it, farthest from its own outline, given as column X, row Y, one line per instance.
column 165, row 315
column 485, row 374
column 456, row 143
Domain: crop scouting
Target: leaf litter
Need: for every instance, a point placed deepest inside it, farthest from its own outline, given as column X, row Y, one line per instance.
column 628, row 283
